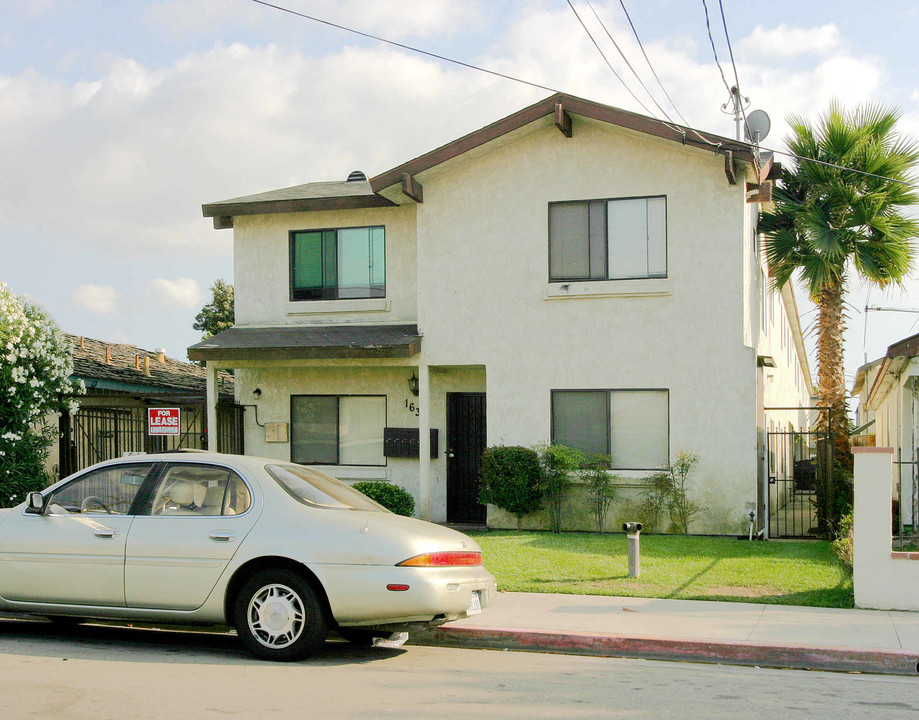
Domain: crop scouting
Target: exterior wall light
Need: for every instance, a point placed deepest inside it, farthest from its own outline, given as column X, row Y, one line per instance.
column 413, row 384
column 257, row 392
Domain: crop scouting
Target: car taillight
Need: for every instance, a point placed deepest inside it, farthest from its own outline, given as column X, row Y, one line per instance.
column 443, row 559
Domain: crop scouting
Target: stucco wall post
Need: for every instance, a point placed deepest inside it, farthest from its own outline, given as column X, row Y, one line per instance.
column 883, row 579
column 211, row 407
column 424, row 441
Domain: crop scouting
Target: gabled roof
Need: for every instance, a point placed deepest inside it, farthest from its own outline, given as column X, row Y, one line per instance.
column 398, row 182
column 897, row 357
column 123, row 368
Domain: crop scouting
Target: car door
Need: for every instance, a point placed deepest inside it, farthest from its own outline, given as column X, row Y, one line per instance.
column 182, row 540
column 73, row 552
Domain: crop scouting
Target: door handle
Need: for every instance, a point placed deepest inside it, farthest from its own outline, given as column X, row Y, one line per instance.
column 222, row 535
column 105, row 533
column 450, row 453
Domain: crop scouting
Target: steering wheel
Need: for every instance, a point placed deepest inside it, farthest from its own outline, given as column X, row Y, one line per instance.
column 92, row 499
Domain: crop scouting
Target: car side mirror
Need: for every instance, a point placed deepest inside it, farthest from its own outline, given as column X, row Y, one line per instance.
column 35, row 503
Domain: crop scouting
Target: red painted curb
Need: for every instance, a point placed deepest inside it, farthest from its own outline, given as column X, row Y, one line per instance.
column 840, row 659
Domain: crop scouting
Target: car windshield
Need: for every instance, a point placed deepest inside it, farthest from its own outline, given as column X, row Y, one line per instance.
column 319, row 490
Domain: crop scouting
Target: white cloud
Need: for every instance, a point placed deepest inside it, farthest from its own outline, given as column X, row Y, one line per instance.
column 785, row 41
column 96, row 299
column 182, row 293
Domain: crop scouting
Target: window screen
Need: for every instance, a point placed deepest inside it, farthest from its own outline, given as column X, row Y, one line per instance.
column 338, row 430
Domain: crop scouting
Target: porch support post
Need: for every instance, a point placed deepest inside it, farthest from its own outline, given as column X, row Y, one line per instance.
column 211, row 407
column 424, row 442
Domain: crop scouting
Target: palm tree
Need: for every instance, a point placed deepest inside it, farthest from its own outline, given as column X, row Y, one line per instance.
column 830, row 221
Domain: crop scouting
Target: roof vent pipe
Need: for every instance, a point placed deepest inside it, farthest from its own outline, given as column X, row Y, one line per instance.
column 161, row 355
column 357, row 176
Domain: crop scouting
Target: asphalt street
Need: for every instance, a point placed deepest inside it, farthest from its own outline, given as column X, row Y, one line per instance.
column 106, row 672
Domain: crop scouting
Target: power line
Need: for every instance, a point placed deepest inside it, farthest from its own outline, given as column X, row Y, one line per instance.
column 405, row 47
column 714, row 51
column 622, row 55
column 546, row 87
column 647, row 60
column 608, row 63
column 727, row 37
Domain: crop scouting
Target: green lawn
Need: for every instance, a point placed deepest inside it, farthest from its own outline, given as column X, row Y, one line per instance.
column 690, row 568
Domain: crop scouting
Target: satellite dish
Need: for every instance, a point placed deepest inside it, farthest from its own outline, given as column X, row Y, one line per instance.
column 757, row 127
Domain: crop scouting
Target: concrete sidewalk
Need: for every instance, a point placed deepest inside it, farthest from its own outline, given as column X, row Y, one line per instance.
column 871, row 641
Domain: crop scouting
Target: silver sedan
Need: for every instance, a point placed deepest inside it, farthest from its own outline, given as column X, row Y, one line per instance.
column 279, row 551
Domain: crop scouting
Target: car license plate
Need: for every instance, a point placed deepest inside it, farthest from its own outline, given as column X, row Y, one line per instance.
column 476, row 607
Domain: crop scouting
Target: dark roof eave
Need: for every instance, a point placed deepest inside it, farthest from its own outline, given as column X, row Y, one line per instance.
column 578, row 106
column 305, row 353
column 269, row 207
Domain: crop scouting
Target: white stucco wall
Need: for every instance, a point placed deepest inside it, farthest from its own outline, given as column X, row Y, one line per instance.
column 883, row 579
column 262, row 259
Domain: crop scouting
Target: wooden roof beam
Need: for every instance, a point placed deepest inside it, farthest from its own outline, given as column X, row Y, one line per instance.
column 412, row 188
column 562, row 120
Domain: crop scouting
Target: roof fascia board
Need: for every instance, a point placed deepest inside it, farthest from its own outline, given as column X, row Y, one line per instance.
column 305, row 353
column 270, row 207
column 572, row 105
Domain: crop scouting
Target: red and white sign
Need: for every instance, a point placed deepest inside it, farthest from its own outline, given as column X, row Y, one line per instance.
column 162, row 421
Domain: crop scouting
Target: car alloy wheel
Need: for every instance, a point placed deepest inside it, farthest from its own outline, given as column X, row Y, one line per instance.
column 278, row 616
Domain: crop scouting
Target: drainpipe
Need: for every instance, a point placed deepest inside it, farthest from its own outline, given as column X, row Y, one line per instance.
column 211, row 406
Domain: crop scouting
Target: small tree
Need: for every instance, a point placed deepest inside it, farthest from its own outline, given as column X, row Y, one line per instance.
column 600, row 489
column 556, row 463
column 36, row 362
column 510, row 479
column 667, row 493
column 219, row 314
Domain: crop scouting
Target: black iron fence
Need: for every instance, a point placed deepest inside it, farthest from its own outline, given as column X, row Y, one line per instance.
column 905, row 507
column 96, row 434
column 799, row 466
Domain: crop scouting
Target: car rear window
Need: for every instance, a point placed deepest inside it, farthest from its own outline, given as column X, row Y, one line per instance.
column 318, row 490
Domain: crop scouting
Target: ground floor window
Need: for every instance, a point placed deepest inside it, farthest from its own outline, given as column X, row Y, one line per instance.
column 631, row 426
column 337, row 429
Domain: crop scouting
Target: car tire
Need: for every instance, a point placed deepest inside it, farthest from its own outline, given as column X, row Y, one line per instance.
column 278, row 616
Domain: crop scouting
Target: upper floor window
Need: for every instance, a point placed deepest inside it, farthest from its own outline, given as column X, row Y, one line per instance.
column 608, row 239
column 338, row 264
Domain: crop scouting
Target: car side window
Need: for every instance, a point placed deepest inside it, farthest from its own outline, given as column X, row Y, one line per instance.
column 199, row 489
column 107, row 491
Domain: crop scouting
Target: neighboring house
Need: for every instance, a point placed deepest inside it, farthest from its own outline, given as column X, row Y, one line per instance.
column 122, row 381
column 572, row 272
column 888, row 416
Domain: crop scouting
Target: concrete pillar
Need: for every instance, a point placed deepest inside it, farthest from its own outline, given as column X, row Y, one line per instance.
column 424, row 442
column 211, row 407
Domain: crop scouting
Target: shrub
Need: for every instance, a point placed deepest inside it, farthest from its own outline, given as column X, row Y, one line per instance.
column 842, row 545
column 556, row 463
column 667, row 492
column 392, row 497
column 510, row 479
column 600, row 488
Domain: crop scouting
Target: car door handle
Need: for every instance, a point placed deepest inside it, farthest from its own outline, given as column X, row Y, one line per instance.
column 222, row 536
column 105, row 533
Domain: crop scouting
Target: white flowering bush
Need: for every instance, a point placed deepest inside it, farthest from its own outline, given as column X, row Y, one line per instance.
column 36, row 362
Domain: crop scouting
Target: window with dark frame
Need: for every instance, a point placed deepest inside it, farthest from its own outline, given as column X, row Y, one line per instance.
column 338, row 264
column 337, row 429
column 613, row 239
column 631, row 426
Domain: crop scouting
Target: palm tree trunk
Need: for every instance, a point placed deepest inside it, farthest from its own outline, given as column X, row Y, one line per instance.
column 831, row 377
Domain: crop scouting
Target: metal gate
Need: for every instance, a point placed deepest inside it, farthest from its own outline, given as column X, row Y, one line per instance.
column 96, row 434
column 905, row 505
column 799, row 463
column 465, row 445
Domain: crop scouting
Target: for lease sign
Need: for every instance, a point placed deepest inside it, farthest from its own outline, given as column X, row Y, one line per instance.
column 162, row 421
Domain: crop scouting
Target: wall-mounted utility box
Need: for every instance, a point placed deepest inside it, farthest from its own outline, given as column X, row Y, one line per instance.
column 276, row 432
column 404, row 442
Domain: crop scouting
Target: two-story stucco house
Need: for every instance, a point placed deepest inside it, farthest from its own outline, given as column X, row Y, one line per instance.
column 572, row 272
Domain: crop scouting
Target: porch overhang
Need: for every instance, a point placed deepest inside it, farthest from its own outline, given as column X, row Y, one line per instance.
column 309, row 343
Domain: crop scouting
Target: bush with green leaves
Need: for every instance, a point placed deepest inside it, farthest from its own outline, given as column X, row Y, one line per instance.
column 601, row 490
column 556, row 463
column 667, row 494
column 842, row 544
column 510, row 479
column 36, row 362
column 394, row 498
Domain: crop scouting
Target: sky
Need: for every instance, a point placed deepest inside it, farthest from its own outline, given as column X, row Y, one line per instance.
column 120, row 118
